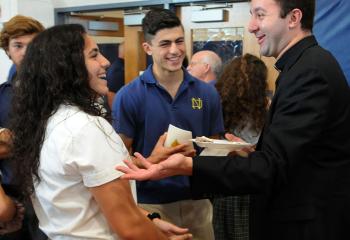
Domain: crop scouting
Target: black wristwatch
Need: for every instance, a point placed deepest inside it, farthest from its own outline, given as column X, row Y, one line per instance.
column 153, row 215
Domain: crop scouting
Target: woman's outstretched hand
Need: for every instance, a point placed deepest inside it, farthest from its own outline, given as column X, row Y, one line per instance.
column 172, row 231
column 176, row 164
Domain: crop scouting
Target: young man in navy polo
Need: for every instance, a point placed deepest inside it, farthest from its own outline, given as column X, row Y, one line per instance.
column 167, row 94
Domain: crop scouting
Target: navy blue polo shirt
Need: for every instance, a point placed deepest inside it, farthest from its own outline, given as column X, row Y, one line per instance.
column 143, row 110
column 5, row 104
column 115, row 75
column 5, row 100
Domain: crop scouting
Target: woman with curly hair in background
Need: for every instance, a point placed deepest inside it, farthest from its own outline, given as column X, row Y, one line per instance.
column 242, row 88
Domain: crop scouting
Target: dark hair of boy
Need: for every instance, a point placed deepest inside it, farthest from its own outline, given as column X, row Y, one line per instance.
column 158, row 19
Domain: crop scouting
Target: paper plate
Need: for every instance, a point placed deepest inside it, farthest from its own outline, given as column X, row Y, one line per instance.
column 222, row 144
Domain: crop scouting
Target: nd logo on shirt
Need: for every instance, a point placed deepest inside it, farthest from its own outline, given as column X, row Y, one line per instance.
column 197, row 103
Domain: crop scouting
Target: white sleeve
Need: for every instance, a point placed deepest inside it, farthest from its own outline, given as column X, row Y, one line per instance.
column 95, row 151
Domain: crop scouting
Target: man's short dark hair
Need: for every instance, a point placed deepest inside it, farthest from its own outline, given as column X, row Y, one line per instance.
column 306, row 6
column 158, row 19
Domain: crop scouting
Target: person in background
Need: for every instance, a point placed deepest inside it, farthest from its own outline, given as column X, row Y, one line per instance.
column 11, row 212
column 15, row 37
column 5, row 143
column 115, row 75
column 12, row 72
column 242, row 88
column 167, row 94
column 298, row 176
column 7, row 207
column 206, row 66
column 185, row 62
column 64, row 151
column 243, row 91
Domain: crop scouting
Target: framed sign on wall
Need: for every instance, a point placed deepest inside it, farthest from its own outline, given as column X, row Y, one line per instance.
column 226, row 42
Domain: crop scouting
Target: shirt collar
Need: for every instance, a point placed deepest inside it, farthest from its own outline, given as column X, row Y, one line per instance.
column 9, row 81
column 292, row 54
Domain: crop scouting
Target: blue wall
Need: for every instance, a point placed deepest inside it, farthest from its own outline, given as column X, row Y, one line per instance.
column 332, row 30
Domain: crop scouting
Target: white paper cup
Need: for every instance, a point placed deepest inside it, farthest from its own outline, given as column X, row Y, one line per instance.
column 176, row 136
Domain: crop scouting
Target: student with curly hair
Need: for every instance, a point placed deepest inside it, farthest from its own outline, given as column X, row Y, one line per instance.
column 64, row 150
column 242, row 87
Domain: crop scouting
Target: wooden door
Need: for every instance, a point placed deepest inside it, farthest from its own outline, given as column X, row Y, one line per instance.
column 135, row 57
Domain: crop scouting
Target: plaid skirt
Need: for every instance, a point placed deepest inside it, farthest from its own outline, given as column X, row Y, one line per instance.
column 231, row 218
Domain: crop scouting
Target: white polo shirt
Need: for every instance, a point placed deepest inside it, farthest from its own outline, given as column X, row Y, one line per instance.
column 79, row 151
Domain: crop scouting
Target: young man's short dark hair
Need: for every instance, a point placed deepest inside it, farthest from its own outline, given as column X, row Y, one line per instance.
column 158, row 19
column 306, row 6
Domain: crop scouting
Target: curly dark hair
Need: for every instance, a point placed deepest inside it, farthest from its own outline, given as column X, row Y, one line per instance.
column 53, row 72
column 242, row 87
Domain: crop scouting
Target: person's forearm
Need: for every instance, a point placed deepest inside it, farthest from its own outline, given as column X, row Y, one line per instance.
column 123, row 215
column 4, row 151
column 145, row 229
column 143, row 211
column 7, row 207
column 5, row 142
column 188, row 167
